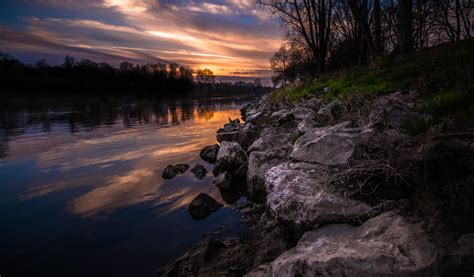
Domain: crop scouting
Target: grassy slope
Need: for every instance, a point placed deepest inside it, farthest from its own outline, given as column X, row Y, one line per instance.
column 443, row 75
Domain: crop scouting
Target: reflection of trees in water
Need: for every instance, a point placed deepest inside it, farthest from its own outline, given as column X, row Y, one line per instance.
column 86, row 114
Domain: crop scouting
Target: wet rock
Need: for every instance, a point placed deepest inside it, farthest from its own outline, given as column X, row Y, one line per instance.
column 387, row 245
column 297, row 193
column 209, row 153
column 172, row 171
column 191, row 262
column 223, row 180
column 230, row 158
column 199, row 171
column 202, row 206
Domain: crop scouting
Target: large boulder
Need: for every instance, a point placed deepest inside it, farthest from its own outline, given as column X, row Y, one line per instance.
column 297, row 193
column 230, row 158
column 209, row 153
column 336, row 145
column 259, row 163
column 202, row 206
column 233, row 161
column 387, row 245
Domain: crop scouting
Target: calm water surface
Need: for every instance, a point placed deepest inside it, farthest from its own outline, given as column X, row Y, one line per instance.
column 81, row 191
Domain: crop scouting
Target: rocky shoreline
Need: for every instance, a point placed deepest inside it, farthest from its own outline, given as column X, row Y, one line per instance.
column 338, row 188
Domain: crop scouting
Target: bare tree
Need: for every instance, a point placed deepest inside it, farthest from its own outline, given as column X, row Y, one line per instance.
column 405, row 29
column 310, row 19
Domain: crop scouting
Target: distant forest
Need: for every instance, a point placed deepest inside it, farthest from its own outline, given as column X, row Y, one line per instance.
column 90, row 77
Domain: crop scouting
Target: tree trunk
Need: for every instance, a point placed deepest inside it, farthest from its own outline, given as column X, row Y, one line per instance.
column 377, row 28
column 405, row 16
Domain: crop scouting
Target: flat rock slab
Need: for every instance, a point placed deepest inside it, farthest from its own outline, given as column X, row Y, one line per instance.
column 296, row 193
column 386, row 245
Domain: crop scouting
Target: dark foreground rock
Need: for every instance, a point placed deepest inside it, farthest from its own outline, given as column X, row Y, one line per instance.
column 382, row 246
column 202, row 206
column 234, row 256
column 172, row 171
column 209, row 153
column 199, row 171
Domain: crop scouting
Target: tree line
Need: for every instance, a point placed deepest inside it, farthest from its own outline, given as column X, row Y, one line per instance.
column 328, row 35
column 88, row 76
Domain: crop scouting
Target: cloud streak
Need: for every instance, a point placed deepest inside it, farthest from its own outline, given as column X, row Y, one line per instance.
column 227, row 36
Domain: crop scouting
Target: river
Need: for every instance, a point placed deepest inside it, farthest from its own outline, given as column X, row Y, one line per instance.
column 81, row 192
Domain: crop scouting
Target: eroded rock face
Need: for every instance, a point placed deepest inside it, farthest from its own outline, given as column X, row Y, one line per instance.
column 296, row 193
column 209, row 153
column 336, row 145
column 386, row 245
column 202, row 206
column 259, row 163
column 172, row 171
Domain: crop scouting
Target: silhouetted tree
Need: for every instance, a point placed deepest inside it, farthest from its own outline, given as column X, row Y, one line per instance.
column 205, row 76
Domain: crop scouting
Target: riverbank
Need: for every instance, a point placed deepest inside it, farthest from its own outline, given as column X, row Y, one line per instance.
column 365, row 173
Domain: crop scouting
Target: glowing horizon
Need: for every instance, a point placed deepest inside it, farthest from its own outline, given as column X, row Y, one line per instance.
column 230, row 37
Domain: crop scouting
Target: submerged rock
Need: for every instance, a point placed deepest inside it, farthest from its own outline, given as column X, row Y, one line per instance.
column 199, row 171
column 202, row 206
column 209, row 153
column 387, row 245
column 172, row 171
column 297, row 193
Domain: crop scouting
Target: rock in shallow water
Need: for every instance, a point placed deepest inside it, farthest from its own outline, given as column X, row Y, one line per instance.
column 172, row 171
column 209, row 153
column 202, row 206
column 386, row 245
column 199, row 171
column 230, row 158
column 296, row 193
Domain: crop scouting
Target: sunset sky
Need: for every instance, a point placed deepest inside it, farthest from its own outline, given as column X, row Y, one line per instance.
column 231, row 37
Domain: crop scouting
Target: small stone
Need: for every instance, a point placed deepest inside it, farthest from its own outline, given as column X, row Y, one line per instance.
column 199, row 171
column 209, row 153
column 202, row 206
column 172, row 171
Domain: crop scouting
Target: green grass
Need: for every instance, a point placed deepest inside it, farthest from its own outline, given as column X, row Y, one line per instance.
column 433, row 72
